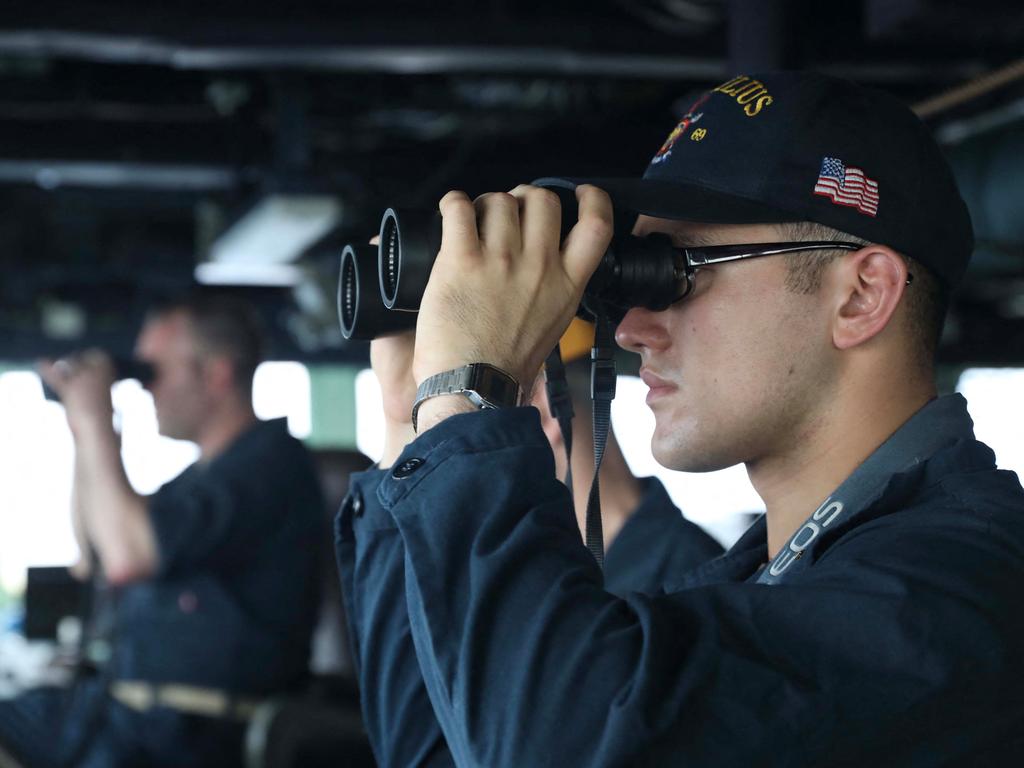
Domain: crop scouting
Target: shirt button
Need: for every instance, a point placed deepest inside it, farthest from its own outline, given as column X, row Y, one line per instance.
column 406, row 468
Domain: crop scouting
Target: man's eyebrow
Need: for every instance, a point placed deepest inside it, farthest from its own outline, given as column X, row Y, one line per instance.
column 691, row 240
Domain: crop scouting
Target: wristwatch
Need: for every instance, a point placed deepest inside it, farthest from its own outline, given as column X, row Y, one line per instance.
column 484, row 385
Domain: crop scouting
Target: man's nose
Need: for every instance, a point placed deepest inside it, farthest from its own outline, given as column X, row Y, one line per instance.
column 642, row 329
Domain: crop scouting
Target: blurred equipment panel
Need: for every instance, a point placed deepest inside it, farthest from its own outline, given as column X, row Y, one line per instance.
column 51, row 595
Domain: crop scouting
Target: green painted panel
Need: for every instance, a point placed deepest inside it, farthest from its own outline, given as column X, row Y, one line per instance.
column 333, row 405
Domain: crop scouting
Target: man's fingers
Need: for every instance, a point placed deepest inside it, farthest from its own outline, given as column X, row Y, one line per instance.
column 458, row 225
column 590, row 237
column 540, row 214
column 53, row 372
column 96, row 358
column 497, row 221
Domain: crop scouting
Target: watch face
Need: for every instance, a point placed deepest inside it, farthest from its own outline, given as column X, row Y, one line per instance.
column 495, row 388
column 484, row 385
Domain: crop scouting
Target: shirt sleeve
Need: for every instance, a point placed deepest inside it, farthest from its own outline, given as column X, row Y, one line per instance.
column 397, row 712
column 529, row 661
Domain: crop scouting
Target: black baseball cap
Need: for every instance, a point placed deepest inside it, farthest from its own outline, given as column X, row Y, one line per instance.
column 800, row 146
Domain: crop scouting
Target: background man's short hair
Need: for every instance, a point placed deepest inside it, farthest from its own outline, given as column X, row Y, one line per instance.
column 223, row 324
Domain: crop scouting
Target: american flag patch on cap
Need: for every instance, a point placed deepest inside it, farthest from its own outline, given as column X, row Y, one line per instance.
column 847, row 186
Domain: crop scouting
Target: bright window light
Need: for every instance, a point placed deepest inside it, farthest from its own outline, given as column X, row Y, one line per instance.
column 369, row 415
column 994, row 402
column 36, row 456
column 282, row 389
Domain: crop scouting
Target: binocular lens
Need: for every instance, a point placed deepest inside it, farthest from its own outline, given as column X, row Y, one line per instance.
column 409, row 242
column 347, row 292
column 390, row 257
column 361, row 310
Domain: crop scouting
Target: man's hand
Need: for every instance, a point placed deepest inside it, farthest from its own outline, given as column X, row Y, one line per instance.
column 83, row 382
column 504, row 288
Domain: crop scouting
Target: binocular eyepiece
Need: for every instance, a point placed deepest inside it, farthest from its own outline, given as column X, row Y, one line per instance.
column 380, row 287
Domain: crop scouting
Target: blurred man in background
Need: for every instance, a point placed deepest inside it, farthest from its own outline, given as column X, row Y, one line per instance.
column 214, row 576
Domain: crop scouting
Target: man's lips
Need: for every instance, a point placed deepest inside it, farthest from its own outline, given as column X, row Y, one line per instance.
column 658, row 386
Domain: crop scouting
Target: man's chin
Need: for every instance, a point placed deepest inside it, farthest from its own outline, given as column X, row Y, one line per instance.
column 667, row 450
column 686, row 458
column 668, row 456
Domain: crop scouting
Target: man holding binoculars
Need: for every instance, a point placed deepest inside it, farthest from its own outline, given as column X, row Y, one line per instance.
column 869, row 618
column 214, row 577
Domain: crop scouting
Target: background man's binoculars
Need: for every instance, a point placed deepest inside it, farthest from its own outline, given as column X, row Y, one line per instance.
column 124, row 368
column 380, row 287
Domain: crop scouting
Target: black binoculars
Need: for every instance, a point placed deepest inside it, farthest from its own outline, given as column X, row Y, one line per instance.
column 124, row 368
column 380, row 287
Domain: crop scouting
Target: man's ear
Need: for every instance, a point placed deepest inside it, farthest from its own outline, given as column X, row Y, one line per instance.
column 219, row 374
column 869, row 284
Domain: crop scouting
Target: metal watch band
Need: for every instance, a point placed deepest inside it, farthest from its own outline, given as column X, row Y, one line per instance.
column 484, row 385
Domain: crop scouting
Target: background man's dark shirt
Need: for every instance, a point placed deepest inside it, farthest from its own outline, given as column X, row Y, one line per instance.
column 235, row 598
column 656, row 545
column 231, row 607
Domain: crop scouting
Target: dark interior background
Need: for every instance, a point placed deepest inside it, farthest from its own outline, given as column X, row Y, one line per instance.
column 133, row 135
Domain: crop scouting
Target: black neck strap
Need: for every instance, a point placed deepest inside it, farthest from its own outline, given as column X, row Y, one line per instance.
column 602, row 392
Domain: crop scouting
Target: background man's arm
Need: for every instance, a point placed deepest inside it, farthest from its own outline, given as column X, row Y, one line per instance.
column 110, row 517
column 82, row 569
column 115, row 518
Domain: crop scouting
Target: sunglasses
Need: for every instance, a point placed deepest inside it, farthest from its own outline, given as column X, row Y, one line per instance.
column 694, row 258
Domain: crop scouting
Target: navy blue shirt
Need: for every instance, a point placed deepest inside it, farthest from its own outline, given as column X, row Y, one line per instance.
column 897, row 642
column 655, row 545
column 234, row 601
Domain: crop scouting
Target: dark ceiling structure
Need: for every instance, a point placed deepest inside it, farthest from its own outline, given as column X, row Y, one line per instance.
column 134, row 138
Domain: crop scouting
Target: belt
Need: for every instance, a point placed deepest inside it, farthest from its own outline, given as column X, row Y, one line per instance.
column 190, row 699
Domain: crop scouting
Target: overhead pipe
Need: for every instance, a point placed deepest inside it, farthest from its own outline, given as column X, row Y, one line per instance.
column 394, row 59
column 437, row 59
column 51, row 174
column 962, row 94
